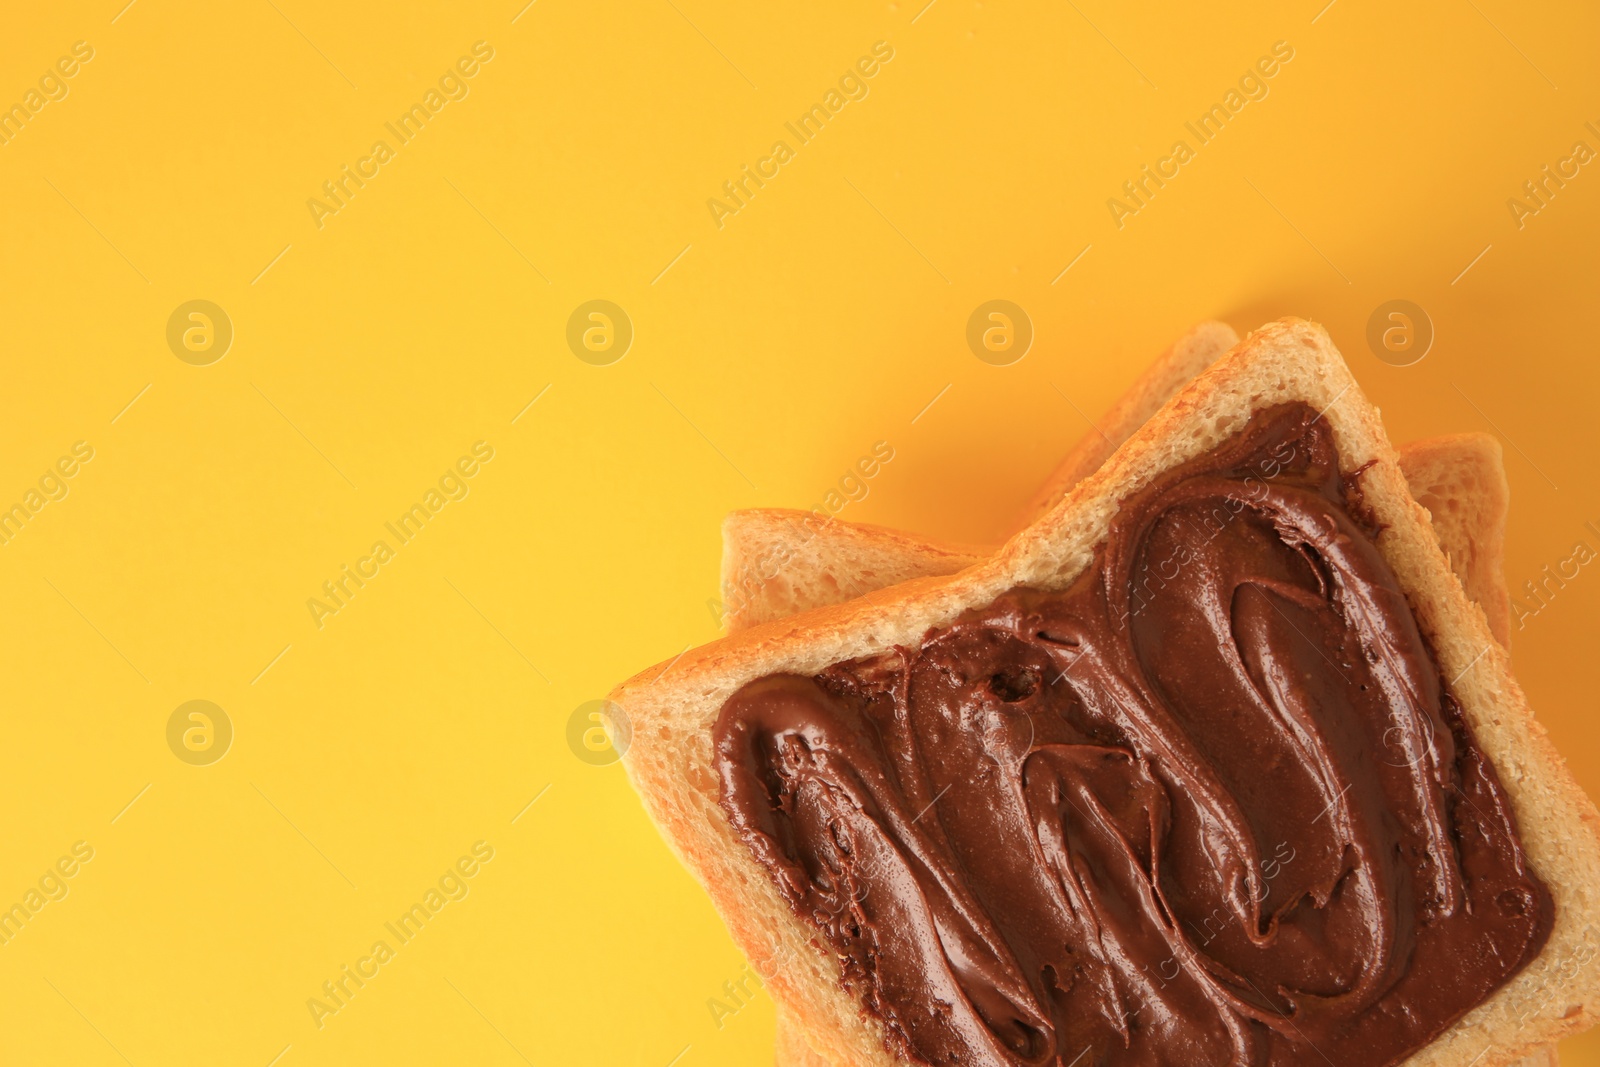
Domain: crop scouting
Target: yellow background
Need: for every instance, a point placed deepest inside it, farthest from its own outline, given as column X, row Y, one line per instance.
column 767, row 358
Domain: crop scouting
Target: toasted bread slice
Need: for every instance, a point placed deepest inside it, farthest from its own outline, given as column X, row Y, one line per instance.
column 673, row 707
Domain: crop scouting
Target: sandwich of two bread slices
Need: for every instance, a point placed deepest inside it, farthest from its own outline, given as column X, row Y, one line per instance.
column 1213, row 762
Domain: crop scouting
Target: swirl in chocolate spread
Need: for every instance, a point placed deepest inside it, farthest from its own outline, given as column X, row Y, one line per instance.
column 1209, row 805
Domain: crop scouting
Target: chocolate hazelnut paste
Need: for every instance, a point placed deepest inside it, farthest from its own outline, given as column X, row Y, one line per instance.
column 1211, row 804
